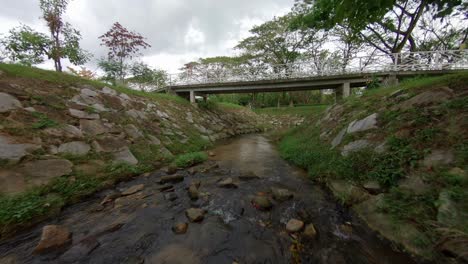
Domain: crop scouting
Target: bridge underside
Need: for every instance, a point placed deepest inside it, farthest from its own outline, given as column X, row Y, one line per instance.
column 341, row 83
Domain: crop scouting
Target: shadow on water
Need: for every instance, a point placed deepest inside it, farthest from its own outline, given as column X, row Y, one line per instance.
column 137, row 228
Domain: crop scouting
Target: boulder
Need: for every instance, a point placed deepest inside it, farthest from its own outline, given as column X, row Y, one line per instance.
column 310, row 231
column 13, row 151
column 109, row 144
column 138, row 115
column 355, row 146
column 134, row 189
column 349, row 193
column 180, row 228
column 439, row 157
column 227, row 183
column 11, row 182
column 89, row 92
column 171, row 178
column 367, row 123
column 262, row 202
column 125, row 155
column 154, row 140
column 337, row 140
column 109, row 91
column 372, row 187
column 281, row 195
column 82, row 115
column 8, row 103
column 72, row 131
column 294, row 225
column 193, row 192
column 93, row 127
column 133, row 131
column 435, row 96
column 170, row 196
column 195, row 214
column 53, row 237
column 75, row 148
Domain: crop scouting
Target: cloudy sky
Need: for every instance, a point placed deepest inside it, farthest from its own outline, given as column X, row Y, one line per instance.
column 178, row 30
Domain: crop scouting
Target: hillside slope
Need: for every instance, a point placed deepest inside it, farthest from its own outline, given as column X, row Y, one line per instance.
column 398, row 156
column 62, row 137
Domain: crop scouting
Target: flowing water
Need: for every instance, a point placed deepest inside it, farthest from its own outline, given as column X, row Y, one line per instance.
column 137, row 228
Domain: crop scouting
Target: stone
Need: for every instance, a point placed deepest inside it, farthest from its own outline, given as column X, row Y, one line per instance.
column 89, row 92
column 211, row 154
column 248, row 176
column 455, row 248
column 80, row 250
column 53, row 237
column 339, row 138
column 294, row 225
column 154, row 140
column 414, row 184
column 41, row 171
column 171, row 178
column 8, row 103
column 227, row 183
column 180, row 228
column 12, row 151
column 124, row 96
column 99, row 108
column 310, row 231
column 381, row 148
column 125, row 155
column 110, row 197
column 72, row 131
column 134, row 189
column 11, row 259
column 281, row 195
column 136, row 114
column 349, row 193
column 109, row 144
column 262, row 202
column 372, row 187
column 195, row 214
column 82, row 115
column 170, row 196
column 109, row 91
column 93, row 127
column 435, row 96
column 75, row 148
column 355, row 146
column 11, row 182
column 133, row 131
column 193, row 192
column 439, row 157
column 30, row 109
column 367, row 123
column 175, row 253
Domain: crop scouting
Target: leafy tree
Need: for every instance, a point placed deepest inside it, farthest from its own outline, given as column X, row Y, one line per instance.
column 147, row 78
column 83, row 73
column 122, row 44
column 112, row 70
column 29, row 47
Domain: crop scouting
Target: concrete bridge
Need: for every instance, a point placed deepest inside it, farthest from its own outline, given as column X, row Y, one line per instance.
column 317, row 75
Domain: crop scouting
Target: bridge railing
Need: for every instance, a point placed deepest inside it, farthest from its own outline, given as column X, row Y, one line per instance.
column 398, row 62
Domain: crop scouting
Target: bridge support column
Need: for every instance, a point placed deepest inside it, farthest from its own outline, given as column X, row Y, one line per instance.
column 346, row 89
column 192, row 97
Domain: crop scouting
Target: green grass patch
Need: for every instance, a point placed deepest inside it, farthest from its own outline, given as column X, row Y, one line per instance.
column 43, row 121
column 305, row 111
column 228, row 105
column 190, row 159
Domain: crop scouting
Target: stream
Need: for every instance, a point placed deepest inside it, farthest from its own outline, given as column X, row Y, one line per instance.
column 137, row 228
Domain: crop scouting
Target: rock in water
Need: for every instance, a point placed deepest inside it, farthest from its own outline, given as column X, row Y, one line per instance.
column 180, row 228
column 170, row 196
column 133, row 189
column 262, row 202
column 193, row 192
column 294, row 225
column 53, row 237
column 174, row 178
column 310, row 231
column 195, row 214
column 281, row 194
column 227, row 183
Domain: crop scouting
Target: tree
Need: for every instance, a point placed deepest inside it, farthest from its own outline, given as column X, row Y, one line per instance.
column 387, row 25
column 122, row 44
column 83, row 73
column 29, row 47
column 146, row 78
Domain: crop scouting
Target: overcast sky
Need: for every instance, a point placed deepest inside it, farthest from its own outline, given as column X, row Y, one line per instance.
column 179, row 31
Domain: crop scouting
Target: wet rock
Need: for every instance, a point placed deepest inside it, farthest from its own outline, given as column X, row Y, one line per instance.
column 372, row 187
column 133, row 189
column 175, row 254
column 196, row 183
column 310, row 231
column 180, row 228
column 248, row 177
column 171, row 169
column 170, row 196
column 195, row 214
column 80, row 250
column 74, row 148
column 171, row 178
column 13, row 151
column 367, row 123
column 281, row 195
column 12, row 259
column 164, row 187
column 349, row 193
column 53, row 237
column 346, row 229
column 355, row 146
column 125, row 155
column 8, row 103
column 193, row 192
column 82, row 115
column 110, row 197
column 227, row 183
column 294, row 225
column 262, row 202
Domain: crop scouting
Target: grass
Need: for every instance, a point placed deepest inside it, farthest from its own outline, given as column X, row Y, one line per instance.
column 229, row 105
column 190, row 159
column 305, row 111
column 43, row 121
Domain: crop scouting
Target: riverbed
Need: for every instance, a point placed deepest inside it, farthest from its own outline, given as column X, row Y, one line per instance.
column 138, row 228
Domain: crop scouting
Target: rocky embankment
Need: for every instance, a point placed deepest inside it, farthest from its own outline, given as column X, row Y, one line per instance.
column 398, row 157
column 53, row 130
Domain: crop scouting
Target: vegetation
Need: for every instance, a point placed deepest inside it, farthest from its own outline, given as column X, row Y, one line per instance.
column 303, row 110
column 190, row 159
